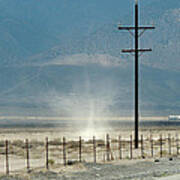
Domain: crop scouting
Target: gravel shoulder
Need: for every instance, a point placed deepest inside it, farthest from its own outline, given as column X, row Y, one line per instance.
column 123, row 170
column 173, row 177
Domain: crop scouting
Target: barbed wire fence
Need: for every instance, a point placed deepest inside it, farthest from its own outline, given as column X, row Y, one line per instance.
column 28, row 155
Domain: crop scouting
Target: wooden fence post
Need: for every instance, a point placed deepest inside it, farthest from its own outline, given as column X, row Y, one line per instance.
column 47, row 153
column 169, row 143
column 27, row 154
column 107, row 147
column 152, row 150
column 120, row 148
column 131, row 153
column 64, row 150
column 94, row 148
column 80, row 146
column 7, row 158
column 104, row 157
column 177, row 144
column 160, row 145
column 142, row 147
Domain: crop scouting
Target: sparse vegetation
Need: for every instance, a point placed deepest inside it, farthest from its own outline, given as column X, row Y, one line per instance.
column 51, row 162
column 100, row 143
column 36, row 143
column 2, row 144
column 73, row 144
column 55, row 142
column 18, row 143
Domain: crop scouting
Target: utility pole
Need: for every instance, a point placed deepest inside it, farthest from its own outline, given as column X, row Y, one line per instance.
column 138, row 31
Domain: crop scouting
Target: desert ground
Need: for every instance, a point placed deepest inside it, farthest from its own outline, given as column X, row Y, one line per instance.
column 135, row 164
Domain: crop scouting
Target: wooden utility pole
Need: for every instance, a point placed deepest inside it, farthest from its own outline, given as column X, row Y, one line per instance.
column 138, row 31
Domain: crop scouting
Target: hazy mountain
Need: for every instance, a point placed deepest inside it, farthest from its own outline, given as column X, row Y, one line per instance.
column 106, row 39
column 63, row 58
column 32, row 27
column 82, row 90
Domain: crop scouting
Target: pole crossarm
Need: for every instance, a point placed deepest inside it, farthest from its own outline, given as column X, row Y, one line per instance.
column 133, row 28
column 133, row 50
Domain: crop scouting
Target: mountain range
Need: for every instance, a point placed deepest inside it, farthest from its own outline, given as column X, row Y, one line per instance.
column 63, row 58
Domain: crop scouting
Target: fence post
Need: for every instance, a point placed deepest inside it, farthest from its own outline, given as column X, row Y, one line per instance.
column 169, row 143
column 120, row 148
column 104, row 157
column 7, row 158
column 108, row 147
column 27, row 154
column 152, row 151
column 80, row 146
column 177, row 144
column 47, row 153
column 94, row 148
column 64, row 150
column 131, row 153
column 142, row 147
column 160, row 145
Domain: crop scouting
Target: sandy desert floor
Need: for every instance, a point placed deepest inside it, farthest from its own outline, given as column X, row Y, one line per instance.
column 36, row 136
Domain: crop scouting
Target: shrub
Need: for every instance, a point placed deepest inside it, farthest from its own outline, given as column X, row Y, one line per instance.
column 51, row 162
